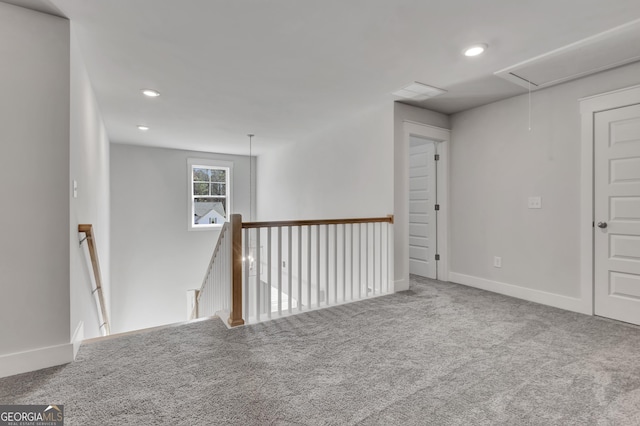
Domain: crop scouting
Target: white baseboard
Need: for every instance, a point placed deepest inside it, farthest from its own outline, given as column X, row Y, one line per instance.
column 224, row 317
column 36, row 359
column 400, row 285
column 78, row 337
column 551, row 299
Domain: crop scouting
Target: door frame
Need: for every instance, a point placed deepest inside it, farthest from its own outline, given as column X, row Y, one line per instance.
column 432, row 222
column 442, row 136
column 590, row 106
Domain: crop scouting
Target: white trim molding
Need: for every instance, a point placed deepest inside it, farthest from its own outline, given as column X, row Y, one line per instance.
column 551, row 299
column 442, row 137
column 208, row 162
column 589, row 106
column 36, row 359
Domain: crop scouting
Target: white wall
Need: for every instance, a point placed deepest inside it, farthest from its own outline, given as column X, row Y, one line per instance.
column 345, row 171
column 496, row 163
column 404, row 113
column 89, row 150
column 154, row 258
column 354, row 169
column 34, row 189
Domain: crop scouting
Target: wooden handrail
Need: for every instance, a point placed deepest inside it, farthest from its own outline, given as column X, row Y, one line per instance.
column 235, row 316
column 387, row 219
column 95, row 263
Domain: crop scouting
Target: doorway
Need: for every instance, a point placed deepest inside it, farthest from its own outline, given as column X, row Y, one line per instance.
column 610, row 220
column 423, row 199
column 439, row 138
column 617, row 214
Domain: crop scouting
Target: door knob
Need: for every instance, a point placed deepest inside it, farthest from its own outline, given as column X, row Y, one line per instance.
column 602, row 225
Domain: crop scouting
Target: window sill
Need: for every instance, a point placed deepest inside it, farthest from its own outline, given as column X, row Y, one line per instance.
column 215, row 227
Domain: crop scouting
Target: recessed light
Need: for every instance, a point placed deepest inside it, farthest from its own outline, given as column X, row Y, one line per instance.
column 143, row 127
column 418, row 91
column 475, row 50
column 150, row 93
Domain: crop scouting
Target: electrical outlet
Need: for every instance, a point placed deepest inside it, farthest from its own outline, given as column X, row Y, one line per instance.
column 497, row 262
column 535, row 202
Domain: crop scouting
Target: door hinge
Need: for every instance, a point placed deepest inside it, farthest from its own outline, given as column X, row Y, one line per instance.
column 437, row 206
column 437, row 257
column 593, row 224
column 436, row 157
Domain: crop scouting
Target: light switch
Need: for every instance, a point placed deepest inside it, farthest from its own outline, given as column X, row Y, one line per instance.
column 75, row 189
column 535, row 202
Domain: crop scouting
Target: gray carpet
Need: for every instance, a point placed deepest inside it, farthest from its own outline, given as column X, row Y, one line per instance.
column 439, row 354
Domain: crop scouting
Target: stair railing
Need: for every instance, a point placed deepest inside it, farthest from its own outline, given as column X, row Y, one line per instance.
column 214, row 296
column 87, row 229
column 294, row 266
column 264, row 270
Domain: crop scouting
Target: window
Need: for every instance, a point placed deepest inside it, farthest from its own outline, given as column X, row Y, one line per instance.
column 210, row 193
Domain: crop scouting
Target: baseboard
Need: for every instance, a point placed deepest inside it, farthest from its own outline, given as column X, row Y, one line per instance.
column 531, row 295
column 23, row 362
column 224, row 317
column 78, row 337
column 141, row 331
column 400, row 285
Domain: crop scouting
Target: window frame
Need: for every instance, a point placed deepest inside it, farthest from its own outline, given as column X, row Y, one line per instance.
column 193, row 163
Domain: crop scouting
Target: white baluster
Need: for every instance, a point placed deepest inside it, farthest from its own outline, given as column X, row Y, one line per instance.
column 269, row 266
column 326, row 249
column 258, row 280
column 373, row 259
column 344, row 262
column 318, row 265
column 279, row 271
column 381, row 247
column 335, row 264
column 245, row 278
column 289, row 271
column 299, row 268
column 308, row 266
column 360, row 261
column 351, row 261
column 366, row 259
column 389, row 243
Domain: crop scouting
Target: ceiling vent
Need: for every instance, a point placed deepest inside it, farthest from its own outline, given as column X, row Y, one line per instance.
column 612, row 48
column 418, row 92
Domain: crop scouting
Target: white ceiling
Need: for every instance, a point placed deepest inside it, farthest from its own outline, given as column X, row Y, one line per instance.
column 285, row 69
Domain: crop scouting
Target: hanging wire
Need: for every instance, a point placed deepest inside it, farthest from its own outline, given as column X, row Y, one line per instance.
column 529, row 105
column 250, row 176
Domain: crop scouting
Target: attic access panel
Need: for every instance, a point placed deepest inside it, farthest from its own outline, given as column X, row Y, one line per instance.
column 610, row 49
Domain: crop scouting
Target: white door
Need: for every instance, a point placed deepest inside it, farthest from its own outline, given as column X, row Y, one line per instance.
column 422, row 200
column 617, row 214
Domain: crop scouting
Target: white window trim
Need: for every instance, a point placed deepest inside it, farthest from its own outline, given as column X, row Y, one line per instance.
column 207, row 162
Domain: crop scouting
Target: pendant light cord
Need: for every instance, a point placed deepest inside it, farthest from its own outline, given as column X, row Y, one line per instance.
column 250, row 176
column 529, row 106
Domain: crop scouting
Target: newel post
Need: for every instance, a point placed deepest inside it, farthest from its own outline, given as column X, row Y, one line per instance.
column 235, row 317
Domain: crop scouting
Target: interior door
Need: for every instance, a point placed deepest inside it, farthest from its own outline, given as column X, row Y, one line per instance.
column 617, row 214
column 422, row 200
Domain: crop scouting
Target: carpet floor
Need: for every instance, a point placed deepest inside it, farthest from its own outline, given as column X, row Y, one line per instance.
column 438, row 354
